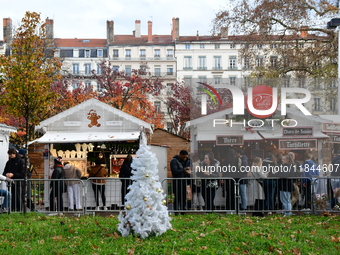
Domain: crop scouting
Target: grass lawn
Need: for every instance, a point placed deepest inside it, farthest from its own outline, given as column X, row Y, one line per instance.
column 35, row 233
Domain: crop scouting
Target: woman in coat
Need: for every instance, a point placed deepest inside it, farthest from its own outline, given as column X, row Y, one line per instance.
column 208, row 186
column 124, row 173
column 255, row 189
column 98, row 185
column 58, row 187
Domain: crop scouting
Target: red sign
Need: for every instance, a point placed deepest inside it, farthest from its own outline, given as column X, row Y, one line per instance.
column 262, row 100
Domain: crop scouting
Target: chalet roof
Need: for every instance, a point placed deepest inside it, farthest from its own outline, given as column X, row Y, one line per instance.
column 6, row 128
column 80, row 43
column 91, row 121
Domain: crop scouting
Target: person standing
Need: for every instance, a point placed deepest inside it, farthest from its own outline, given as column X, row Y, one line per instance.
column 243, row 182
column 209, row 186
column 98, row 185
column 335, row 181
column 72, row 172
column 57, row 186
column 124, row 173
column 197, row 198
column 269, row 185
column 310, row 172
column 256, row 191
column 180, row 170
column 6, row 194
column 14, row 169
column 285, row 185
column 22, row 154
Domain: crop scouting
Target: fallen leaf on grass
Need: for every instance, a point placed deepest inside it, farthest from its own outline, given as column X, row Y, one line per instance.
column 296, row 252
column 203, row 247
column 253, row 233
column 335, row 239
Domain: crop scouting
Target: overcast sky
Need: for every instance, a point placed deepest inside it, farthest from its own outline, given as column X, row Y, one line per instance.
column 87, row 19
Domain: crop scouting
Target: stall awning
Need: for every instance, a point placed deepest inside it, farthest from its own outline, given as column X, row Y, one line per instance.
column 60, row 137
column 278, row 135
column 247, row 136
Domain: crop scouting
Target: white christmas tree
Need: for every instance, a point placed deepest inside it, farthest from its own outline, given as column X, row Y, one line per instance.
column 144, row 211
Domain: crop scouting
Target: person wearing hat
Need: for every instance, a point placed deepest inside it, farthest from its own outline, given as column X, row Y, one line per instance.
column 22, row 154
column 14, row 169
column 58, row 186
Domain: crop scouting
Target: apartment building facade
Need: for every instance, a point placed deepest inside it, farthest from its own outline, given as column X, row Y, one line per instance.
column 173, row 58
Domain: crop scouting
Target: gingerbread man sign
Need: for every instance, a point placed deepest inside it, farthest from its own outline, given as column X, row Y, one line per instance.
column 93, row 117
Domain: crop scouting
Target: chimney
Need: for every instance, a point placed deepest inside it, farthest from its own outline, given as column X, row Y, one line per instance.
column 137, row 30
column 175, row 29
column 304, row 32
column 49, row 28
column 7, row 30
column 224, row 32
column 149, row 31
column 109, row 31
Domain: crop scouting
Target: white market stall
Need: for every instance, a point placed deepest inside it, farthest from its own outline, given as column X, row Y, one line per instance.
column 92, row 126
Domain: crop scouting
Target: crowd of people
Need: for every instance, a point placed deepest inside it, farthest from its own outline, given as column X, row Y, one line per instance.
column 195, row 185
column 275, row 183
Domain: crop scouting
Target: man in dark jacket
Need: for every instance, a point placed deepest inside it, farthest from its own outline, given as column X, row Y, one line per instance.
column 179, row 170
column 14, row 169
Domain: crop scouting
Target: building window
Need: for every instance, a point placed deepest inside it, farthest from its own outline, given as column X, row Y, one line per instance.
column 317, row 104
column 232, row 46
column 143, row 69
column 232, row 80
column 187, row 80
column 187, row 63
column 157, row 71
column 332, row 105
column 115, row 68
column 75, row 68
column 302, row 82
column 201, row 46
column 169, row 70
column 115, row 54
column 217, row 46
column 169, row 53
column 87, row 84
column 157, row 53
column 75, row 84
column 128, row 53
column 259, row 61
column 273, row 61
column 286, row 81
column 202, row 63
column 232, row 63
column 87, row 53
column 247, row 63
column 87, row 69
column 99, row 69
column 273, row 46
column 217, row 63
column 169, row 127
column 217, row 80
column 142, row 53
column 99, row 87
column 246, row 82
column 100, row 53
column 169, row 88
column 158, row 106
column 259, row 46
column 202, row 79
column 128, row 70
column 187, row 46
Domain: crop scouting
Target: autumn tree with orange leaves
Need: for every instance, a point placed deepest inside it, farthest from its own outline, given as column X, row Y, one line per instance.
column 27, row 75
column 130, row 93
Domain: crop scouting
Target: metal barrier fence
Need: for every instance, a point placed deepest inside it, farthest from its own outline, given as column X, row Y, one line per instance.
column 183, row 195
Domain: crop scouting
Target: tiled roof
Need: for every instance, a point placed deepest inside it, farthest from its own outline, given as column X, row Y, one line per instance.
column 80, row 43
column 143, row 40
